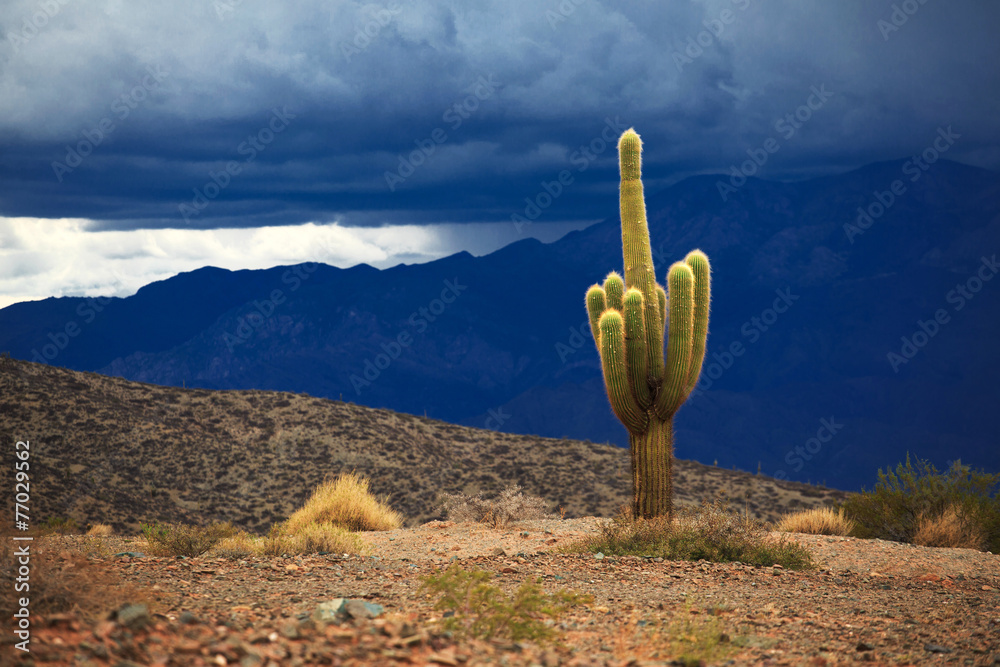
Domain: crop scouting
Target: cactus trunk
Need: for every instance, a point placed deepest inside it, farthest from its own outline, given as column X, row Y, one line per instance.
column 652, row 469
column 627, row 318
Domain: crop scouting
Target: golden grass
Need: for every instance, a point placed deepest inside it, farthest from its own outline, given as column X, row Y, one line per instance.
column 948, row 529
column 100, row 530
column 817, row 521
column 344, row 502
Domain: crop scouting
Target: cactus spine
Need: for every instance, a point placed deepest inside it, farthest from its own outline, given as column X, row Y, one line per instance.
column 628, row 319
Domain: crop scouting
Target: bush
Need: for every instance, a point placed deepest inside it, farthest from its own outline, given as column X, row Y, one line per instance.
column 902, row 499
column 712, row 532
column 311, row 538
column 174, row 539
column 59, row 526
column 948, row 529
column 511, row 505
column 347, row 503
column 100, row 530
column 480, row 609
column 817, row 521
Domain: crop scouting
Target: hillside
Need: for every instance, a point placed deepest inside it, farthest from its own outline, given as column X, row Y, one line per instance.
column 108, row 450
column 812, row 311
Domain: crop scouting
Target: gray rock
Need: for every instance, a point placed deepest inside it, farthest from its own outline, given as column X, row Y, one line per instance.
column 134, row 616
column 329, row 612
column 362, row 609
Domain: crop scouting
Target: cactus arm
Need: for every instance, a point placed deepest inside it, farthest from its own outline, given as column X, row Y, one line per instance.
column 614, row 289
column 680, row 282
column 698, row 262
column 637, row 253
column 596, row 304
column 635, row 348
column 616, row 379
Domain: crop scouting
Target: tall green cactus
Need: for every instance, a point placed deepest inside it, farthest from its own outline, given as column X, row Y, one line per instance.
column 627, row 319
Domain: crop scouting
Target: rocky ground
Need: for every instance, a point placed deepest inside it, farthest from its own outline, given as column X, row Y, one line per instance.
column 866, row 600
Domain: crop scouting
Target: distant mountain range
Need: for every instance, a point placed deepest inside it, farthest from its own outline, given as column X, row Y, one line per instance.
column 854, row 319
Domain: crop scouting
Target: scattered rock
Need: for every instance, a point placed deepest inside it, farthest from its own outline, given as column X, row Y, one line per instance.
column 864, row 646
column 187, row 618
column 133, row 616
column 362, row 609
column 936, row 648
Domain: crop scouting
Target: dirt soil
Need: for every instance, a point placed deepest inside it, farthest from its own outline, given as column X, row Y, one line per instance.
column 867, row 601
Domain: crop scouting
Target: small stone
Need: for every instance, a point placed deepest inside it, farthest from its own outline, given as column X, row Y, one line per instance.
column 187, row 618
column 362, row 609
column 328, row 612
column 290, row 631
column 599, row 556
column 864, row 646
column 133, row 616
column 936, row 648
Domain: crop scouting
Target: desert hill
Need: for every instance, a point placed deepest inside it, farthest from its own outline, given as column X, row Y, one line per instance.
column 106, row 450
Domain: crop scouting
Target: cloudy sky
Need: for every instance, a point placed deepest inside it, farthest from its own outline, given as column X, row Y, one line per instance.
column 139, row 139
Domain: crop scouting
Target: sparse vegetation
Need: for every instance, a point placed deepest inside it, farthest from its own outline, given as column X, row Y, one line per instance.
column 948, row 529
column 912, row 495
column 511, row 505
column 100, row 530
column 712, row 532
column 174, row 539
column 59, row 526
column 480, row 609
column 692, row 637
column 312, row 538
column 64, row 582
column 817, row 521
column 347, row 503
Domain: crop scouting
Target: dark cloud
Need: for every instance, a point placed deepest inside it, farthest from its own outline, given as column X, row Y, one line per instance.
column 499, row 96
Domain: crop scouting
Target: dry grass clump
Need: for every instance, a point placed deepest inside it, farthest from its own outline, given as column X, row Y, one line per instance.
column 817, row 521
column 347, row 503
column 712, row 532
column 312, row 538
column 511, row 505
column 100, row 530
column 948, row 529
column 174, row 539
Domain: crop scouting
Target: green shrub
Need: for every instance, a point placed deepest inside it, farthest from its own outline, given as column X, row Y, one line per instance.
column 174, row 539
column 900, row 501
column 712, row 532
column 480, row 609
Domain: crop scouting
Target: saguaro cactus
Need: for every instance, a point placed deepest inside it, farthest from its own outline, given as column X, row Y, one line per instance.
column 627, row 319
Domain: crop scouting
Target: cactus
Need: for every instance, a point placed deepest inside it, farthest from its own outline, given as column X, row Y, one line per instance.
column 627, row 319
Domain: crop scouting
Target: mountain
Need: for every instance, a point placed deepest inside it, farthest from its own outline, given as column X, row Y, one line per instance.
column 106, row 450
column 808, row 374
